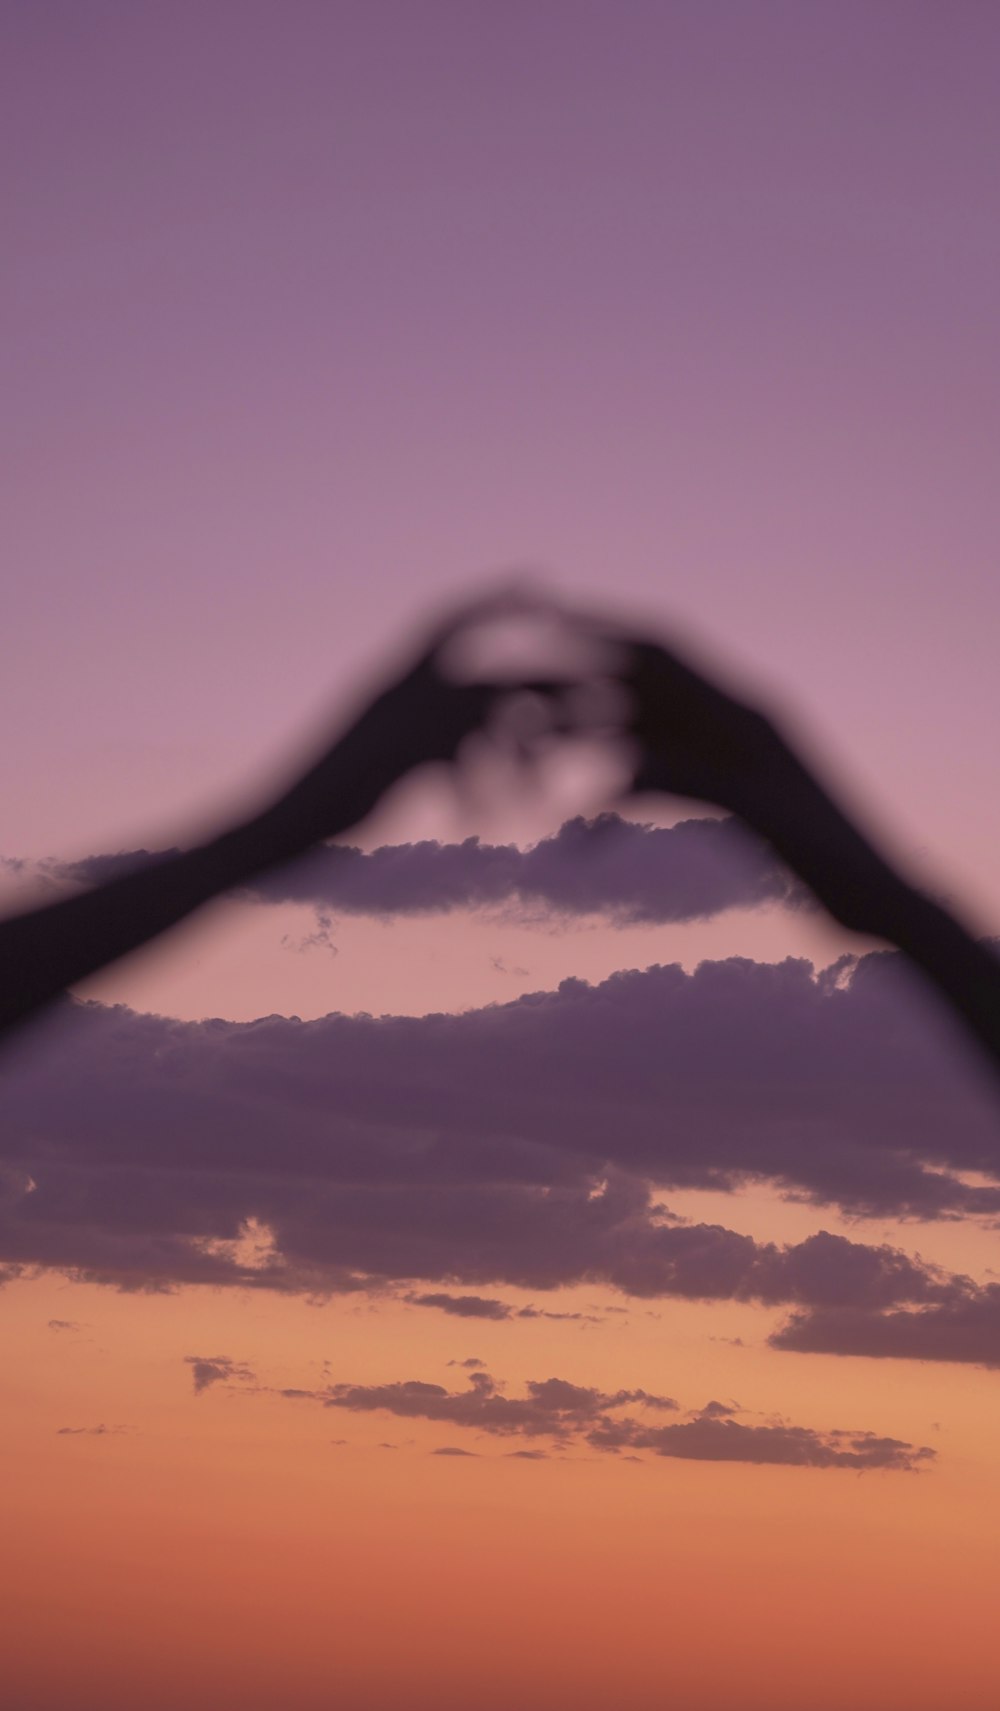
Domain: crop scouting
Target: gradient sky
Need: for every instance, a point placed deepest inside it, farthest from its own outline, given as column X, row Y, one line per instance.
column 316, row 313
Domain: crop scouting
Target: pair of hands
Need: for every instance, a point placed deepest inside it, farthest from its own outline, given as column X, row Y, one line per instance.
column 686, row 735
column 689, row 737
column 683, row 734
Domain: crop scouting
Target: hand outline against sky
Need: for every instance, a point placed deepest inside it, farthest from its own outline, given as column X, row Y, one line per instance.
column 692, row 737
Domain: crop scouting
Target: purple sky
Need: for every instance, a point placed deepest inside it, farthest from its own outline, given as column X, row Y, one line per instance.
column 315, row 311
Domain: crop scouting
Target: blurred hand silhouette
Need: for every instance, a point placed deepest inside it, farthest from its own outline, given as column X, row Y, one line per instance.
column 424, row 715
column 694, row 738
column 690, row 737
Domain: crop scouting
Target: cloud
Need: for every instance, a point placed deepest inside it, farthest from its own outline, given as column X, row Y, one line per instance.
column 544, row 1313
column 965, row 1328
column 527, row 1144
column 64, row 1325
column 706, row 1438
column 489, row 1307
column 624, row 870
column 552, row 1407
column 452, row 1450
column 101, row 1431
column 207, row 1370
column 570, row 1414
column 320, row 940
column 464, row 1306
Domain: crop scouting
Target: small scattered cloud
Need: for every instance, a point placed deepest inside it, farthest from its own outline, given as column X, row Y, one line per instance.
column 490, row 1307
column 452, row 1450
column 100, row 1431
column 207, row 1370
column 706, row 1438
column 319, row 939
column 607, row 1421
column 463, row 1306
column 546, row 1313
column 552, row 1407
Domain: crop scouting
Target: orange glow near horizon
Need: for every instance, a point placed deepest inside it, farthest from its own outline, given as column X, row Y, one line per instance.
column 309, row 1571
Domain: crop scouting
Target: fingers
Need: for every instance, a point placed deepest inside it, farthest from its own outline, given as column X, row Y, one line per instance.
column 544, row 687
column 514, row 597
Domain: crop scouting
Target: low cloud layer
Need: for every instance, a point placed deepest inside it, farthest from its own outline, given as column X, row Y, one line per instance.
column 621, row 869
column 448, row 1156
column 571, row 1414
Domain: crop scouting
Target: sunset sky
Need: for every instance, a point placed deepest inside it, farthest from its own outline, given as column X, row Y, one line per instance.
column 593, row 1154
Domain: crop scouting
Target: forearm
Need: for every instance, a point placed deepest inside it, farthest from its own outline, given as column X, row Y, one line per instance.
column 47, row 950
column 865, row 893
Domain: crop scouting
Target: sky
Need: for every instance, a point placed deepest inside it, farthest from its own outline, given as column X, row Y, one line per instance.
column 588, row 1151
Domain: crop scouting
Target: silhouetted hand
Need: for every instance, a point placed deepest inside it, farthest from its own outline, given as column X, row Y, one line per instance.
column 423, row 716
column 695, row 739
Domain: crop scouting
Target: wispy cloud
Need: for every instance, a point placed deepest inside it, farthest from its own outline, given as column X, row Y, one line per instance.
column 490, row 1307
column 101, row 1431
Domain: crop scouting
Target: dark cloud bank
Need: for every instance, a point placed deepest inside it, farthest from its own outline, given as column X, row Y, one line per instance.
column 518, row 1145
column 619, row 868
